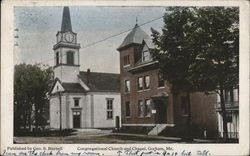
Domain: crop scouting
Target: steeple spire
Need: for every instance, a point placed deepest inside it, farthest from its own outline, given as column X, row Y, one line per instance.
column 66, row 22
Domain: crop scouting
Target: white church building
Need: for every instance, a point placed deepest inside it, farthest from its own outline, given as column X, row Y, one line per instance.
column 80, row 99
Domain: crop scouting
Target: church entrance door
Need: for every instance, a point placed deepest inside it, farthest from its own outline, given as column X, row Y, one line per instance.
column 161, row 112
column 76, row 119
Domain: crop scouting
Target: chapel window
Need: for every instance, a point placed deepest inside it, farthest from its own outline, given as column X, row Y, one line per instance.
column 160, row 79
column 184, row 105
column 140, row 108
column 127, row 86
column 127, row 109
column 140, row 83
column 147, row 82
column 146, row 56
column 147, row 108
column 126, row 60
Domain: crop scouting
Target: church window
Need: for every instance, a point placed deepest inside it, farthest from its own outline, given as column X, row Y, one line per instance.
column 76, row 102
column 127, row 86
column 127, row 109
column 70, row 58
column 147, row 82
column 109, row 108
column 57, row 58
column 126, row 60
column 140, row 108
column 147, row 108
column 140, row 83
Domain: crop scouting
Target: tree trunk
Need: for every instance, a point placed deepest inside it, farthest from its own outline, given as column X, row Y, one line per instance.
column 17, row 117
column 190, row 138
column 30, row 118
column 174, row 97
column 223, row 111
column 25, row 119
column 36, row 118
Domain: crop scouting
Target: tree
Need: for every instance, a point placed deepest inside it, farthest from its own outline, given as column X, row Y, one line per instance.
column 31, row 86
column 217, row 64
column 176, row 53
column 198, row 50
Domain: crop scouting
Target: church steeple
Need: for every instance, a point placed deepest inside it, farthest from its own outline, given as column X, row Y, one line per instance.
column 66, row 51
column 66, row 21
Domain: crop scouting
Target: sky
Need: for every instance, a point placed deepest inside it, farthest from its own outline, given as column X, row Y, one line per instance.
column 37, row 28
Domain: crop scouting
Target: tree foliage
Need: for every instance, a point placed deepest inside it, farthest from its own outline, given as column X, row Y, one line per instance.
column 198, row 49
column 176, row 52
column 31, row 86
column 217, row 63
column 174, row 49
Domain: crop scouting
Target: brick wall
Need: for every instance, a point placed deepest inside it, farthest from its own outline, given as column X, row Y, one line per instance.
column 135, row 95
column 202, row 106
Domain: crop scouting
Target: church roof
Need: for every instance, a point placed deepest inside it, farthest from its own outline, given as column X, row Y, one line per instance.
column 66, row 21
column 101, row 81
column 137, row 35
column 73, row 88
column 68, row 87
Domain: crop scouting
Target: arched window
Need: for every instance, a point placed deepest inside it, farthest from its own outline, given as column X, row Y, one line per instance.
column 70, row 58
column 57, row 58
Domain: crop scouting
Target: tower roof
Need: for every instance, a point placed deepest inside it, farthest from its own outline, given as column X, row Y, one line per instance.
column 137, row 35
column 66, row 22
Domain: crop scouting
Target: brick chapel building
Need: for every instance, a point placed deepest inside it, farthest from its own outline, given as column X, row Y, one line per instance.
column 146, row 100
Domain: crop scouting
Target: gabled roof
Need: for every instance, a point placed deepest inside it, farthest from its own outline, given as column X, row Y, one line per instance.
column 54, row 84
column 73, row 88
column 68, row 87
column 137, row 35
column 148, row 42
column 101, row 81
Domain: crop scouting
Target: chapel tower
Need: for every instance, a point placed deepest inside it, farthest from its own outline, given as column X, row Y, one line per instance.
column 66, row 51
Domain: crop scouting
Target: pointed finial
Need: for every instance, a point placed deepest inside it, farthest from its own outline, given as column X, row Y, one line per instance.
column 66, row 21
column 136, row 21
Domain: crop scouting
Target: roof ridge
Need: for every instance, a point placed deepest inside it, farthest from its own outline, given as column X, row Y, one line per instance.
column 70, row 83
column 100, row 72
